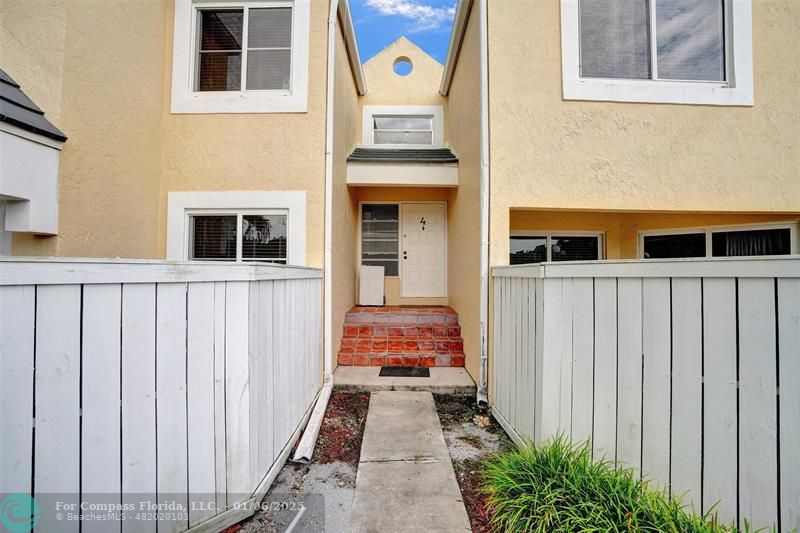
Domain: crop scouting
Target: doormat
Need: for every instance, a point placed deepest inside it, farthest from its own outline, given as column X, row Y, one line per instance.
column 405, row 372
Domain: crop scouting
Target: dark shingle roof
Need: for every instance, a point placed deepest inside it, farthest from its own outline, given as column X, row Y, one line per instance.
column 402, row 155
column 19, row 110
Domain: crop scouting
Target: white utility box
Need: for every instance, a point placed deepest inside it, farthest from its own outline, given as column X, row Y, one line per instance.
column 371, row 286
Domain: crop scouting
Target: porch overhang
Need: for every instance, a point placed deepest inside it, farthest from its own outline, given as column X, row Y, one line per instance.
column 402, row 167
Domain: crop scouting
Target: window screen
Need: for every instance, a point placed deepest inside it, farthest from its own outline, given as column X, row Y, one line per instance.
column 402, row 129
column 574, row 248
column 213, row 238
column 751, row 242
column 524, row 250
column 220, row 54
column 269, row 49
column 264, row 238
column 266, row 60
column 679, row 245
column 616, row 38
column 379, row 236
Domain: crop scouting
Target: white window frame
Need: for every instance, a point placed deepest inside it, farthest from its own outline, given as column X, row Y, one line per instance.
column 549, row 234
column 370, row 111
column 184, row 63
column 792, row 226
column 737, row 90
column 182, row 205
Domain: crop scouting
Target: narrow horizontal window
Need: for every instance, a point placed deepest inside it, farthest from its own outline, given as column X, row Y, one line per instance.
column 380, row 236
column 525, row 250
column 751, row 242
column 674, row 246
column 213, row 238
column 653, row 39
column 403, row 129
column 264, row 238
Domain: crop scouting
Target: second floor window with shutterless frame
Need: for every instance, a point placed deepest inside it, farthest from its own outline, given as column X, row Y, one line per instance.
column 244, row 49
column 246, row 56
column 671, row 51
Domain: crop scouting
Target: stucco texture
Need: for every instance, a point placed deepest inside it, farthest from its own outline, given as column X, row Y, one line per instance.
column 550, row 153
column 68, row 56
column 463, row 125
column 347, row 117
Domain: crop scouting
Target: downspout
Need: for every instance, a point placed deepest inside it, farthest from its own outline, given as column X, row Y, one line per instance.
column 305, row 448
column 482, row 394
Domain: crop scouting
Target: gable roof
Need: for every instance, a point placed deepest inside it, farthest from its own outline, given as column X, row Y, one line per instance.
column 20, row 111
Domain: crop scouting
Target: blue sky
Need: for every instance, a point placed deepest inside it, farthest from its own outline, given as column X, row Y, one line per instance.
column 427, row 23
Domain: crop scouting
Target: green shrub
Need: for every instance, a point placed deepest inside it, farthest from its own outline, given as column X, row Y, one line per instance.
column 557, row 487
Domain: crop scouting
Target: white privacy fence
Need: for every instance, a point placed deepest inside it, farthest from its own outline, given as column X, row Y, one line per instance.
column 125, row 381
column 688, row 371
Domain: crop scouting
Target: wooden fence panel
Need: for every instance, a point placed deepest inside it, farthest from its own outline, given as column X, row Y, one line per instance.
column 159, row 387
column 689, row 371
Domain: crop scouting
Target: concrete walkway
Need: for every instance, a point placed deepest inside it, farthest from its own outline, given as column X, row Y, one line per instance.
column 405, row 480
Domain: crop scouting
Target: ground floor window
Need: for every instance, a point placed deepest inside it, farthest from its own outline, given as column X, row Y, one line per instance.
column 380, row 229
column 538, row 247
column 730, row 241
column 243, row 236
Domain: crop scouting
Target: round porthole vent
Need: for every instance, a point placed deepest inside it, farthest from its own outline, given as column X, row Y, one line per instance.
column 402, row 66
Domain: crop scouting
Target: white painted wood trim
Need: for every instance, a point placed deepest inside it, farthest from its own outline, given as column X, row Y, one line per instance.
column 59, row 271
column 30, row 136
column 721, row 267
column 401, row 175
column 186, row 100
column 738, row 91
column 180, row 203
column 436, row 111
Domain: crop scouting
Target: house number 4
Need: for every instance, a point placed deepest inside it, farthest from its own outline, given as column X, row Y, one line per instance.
column 422, row 223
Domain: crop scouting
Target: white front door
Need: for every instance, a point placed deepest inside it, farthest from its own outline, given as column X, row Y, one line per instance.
column 423, row 267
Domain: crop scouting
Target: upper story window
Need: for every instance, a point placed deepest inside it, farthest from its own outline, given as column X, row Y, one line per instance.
column 403, row 125
column 224, row 64
column 400, row 129
column 240, row 56
column 668, row 51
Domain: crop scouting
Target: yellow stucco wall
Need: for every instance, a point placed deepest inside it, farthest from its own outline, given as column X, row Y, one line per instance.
column 621, row 229
column 262, row 151
column 463, row 125
column 99, row 75
column 345, row 208
column 110, row 93
column 550, row 153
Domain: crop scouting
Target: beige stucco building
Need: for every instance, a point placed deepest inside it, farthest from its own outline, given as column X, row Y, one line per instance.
column 204, row 133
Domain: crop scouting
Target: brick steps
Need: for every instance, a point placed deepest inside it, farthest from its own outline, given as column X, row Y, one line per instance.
column 401, row 336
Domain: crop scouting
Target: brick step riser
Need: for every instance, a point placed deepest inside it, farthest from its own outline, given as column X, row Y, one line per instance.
column 424, row 332
column 352, row 359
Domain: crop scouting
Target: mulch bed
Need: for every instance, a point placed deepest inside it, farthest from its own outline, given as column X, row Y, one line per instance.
column 454, row 410
column 342, row 428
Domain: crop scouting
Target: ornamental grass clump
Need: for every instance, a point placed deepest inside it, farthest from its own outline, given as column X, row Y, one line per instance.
column 557, row 487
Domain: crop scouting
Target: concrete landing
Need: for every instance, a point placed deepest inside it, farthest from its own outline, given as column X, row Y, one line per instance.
column 405, row 480
column 366, row 379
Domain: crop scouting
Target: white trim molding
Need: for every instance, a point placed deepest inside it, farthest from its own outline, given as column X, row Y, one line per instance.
column 436, row 111
column 736, row 91
column 181, row 204
column 401, row 175
column 186, row 100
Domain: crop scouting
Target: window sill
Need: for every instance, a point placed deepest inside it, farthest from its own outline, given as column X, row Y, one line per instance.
column 656, row 92
column 239, row 102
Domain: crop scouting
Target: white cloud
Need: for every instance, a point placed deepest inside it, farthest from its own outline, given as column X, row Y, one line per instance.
column 422, row 16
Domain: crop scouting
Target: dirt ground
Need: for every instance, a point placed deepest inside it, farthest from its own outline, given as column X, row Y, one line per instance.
column 325, row 486
column 469, row 445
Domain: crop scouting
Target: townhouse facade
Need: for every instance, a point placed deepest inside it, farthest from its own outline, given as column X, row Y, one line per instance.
column 572, row 130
